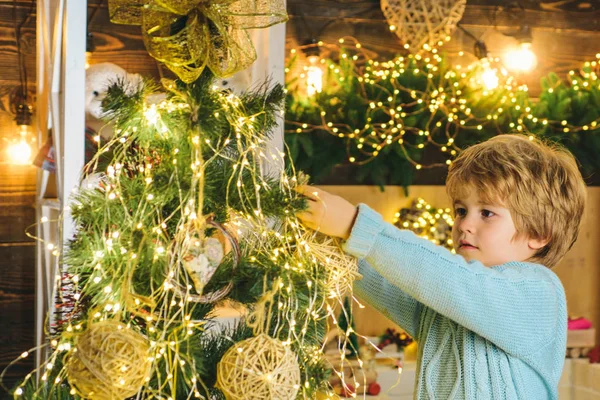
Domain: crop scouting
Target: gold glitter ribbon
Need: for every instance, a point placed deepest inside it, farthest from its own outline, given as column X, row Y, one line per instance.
column 189, row 35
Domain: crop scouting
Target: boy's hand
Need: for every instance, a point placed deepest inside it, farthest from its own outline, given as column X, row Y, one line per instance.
column 327, row 213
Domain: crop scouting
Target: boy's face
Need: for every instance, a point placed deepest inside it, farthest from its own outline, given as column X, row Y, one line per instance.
column 486, row 233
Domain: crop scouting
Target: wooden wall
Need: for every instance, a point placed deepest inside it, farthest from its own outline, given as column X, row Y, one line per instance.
column 17, row 193
column 578, row 271
column 561, row 40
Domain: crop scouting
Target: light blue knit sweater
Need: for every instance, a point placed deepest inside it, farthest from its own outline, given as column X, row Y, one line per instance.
column 483, row 333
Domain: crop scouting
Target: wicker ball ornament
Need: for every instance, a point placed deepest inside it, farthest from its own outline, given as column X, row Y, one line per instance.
column 110, row 362
column 420, row 22
column 342, row 269
column 259, row 368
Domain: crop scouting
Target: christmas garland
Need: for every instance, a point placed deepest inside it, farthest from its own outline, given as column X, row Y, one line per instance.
column 387, row 119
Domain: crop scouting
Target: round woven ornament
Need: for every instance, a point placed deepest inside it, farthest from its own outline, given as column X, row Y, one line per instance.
column 341, row 269
column 420, row 22
column 259, row 368
column 109, row 362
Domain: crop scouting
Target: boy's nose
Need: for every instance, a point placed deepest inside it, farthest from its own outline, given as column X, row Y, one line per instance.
column 466, row 225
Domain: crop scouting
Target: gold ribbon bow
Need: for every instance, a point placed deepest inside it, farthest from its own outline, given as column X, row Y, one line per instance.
column 189, row 35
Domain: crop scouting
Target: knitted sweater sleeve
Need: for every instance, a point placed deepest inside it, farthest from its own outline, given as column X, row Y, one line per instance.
column 517, row 307
column 388, row 299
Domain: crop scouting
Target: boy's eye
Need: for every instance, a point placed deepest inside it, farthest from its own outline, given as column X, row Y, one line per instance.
column 460, row 212
column 487, row 213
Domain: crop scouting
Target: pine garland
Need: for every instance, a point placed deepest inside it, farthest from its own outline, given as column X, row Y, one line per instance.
column 386, row 119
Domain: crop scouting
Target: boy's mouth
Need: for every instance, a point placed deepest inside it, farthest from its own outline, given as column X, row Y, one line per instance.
column 463, row 244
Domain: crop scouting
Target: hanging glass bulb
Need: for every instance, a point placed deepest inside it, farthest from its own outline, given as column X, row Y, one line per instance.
column 19, row 150
column 489, row 77
column 314, row 78
column 521, row 58
column 89, row 49
column 314, row 74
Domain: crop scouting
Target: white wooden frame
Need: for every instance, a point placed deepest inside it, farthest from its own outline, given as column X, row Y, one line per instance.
column 61, row 35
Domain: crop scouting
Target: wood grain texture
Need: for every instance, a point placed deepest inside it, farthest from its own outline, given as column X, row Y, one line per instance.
column 17, row 299
column 562, row 40
column 119, row 44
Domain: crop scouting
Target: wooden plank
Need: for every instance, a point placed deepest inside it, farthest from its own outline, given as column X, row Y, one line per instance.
column 119, row 44
column 562, row 41
column 17, row 297
column 17, row 178
column 8, row 48
column 499, row 16
column 14, row 220
column 474, row 15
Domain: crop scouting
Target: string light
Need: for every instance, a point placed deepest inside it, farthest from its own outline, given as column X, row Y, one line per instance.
column 489, row 76
column 433, row 224
column 522, row 58
column 447, row 103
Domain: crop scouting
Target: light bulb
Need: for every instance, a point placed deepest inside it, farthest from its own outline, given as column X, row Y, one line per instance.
column 488, row 75
column 24, row 130
column 521, row 59
column 489, row 78
column 314, row 80
column 313, row 60
column 88, row 59
column 19, row 152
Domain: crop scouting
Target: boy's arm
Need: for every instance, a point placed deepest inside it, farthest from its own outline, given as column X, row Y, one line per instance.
column 515, row 308
column 388, row 299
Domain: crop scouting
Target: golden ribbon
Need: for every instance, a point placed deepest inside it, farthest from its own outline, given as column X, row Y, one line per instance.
column 189, row 35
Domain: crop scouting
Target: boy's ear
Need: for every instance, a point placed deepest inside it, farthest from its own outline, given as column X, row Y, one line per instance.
column 536, row 244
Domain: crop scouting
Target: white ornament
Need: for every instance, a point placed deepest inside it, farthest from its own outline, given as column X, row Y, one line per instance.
column 202, row 260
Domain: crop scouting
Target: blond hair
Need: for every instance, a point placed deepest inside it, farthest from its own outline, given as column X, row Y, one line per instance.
column 539, row 183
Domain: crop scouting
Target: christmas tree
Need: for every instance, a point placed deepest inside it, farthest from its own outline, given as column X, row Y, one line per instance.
column 180, row 220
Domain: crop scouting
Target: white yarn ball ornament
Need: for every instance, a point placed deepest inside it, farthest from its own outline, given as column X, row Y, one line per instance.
column 420, row 22
column 259, row 368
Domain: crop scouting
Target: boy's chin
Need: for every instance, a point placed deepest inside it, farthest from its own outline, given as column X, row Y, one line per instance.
column 468, row 256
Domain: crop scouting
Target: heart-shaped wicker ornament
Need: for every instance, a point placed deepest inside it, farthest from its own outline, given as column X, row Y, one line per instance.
column 420, row 22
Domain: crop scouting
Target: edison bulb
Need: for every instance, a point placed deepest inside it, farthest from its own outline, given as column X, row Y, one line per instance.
column 314, row 80
column 19, row 152
column 521, row 59
column 489, row 78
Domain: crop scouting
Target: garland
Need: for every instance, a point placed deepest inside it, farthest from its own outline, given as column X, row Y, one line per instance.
column 391, row 118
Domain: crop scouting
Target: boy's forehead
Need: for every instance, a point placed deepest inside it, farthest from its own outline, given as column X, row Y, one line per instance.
column 474, row 194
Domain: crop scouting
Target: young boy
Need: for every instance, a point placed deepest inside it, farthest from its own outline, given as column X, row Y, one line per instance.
column 491, row 320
